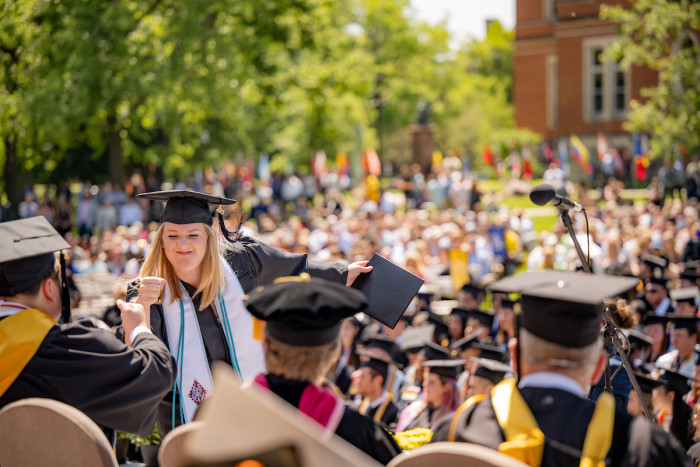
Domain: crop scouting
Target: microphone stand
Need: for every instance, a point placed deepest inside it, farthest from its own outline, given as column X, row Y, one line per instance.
column 611, row 333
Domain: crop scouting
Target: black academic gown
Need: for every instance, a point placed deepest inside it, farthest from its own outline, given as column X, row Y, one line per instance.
column 116, row 386
column 389, row 417
column 254, row 263
column 563, row 418
column 358, row 430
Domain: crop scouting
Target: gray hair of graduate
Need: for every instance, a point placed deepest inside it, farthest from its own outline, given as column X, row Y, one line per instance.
column 298, row 363
column 537, row 351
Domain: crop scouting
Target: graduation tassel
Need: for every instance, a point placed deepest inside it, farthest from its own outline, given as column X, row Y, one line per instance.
column 230, row 236
column 65, row 296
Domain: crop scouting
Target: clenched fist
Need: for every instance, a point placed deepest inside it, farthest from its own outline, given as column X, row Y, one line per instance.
column 150, row 289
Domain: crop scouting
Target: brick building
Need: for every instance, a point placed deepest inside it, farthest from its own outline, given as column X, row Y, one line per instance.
column 561, row 85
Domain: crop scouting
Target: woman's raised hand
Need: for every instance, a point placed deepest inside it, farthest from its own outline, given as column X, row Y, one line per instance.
column 150, row 289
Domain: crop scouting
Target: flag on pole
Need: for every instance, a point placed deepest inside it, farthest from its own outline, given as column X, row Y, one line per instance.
column 548, row 152
column 341, row 161
column 527, row 163
column 641, row 157
column 488, row 156
column 580, row 153
column 372, row 164
column 515, row 167
column 602, row 146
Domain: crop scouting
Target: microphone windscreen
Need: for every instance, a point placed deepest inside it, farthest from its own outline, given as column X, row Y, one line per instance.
column 542, row 194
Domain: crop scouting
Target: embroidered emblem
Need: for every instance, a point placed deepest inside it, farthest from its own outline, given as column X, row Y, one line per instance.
column 197, row 392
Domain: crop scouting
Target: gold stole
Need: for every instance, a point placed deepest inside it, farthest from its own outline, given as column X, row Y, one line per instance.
column 524, row 439
column 20, row 337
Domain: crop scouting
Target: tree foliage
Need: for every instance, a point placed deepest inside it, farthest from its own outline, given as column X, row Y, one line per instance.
column 96, row 89
column 663, row 36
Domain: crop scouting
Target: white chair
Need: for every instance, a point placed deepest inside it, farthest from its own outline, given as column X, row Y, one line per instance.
column 38, row 432
column 449, row 454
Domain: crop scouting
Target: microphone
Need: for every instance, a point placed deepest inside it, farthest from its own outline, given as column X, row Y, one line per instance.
column 544, row 193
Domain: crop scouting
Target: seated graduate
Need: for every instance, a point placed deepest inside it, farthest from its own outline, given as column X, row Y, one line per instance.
column 116, row 385
column 487, row 374
column 377, row 403
column 545, row 418
column 440, row 397
column 301, row 342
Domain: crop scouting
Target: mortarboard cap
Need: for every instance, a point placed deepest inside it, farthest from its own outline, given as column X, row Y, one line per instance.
column 303, row 311
column 491, row 352
column 690, row 274
column 444, row 368
column 638, row 339
column 466, row 342
column 185, row 206
column 492, row 370
column 657, row 264
column 563, row 308
column 461, row 313
column 676, row 382
column 379, row 341
column 482, row 317
column 659, row 281
column 685, row 295
column 471, row 290
column 378, row 364
column 433, row 351
column 646, row 383
column 414, row 339
column 443, row 307
column 439, row 325
column 27, row 255
column 508, row 303
column 651, row 319
column 388, row 289
column 683, row 322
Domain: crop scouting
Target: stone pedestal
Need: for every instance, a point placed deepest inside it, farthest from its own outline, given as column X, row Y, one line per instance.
column 422, row 145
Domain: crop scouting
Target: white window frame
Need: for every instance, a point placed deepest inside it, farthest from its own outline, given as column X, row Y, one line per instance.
column 609, row 70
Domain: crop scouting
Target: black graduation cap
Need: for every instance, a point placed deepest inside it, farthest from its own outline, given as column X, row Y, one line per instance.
column 414, row 339
column 189, row 207
column 461, row 313
column 651, row 319
column 685, row 295
column 444, row 368
column 27, row 253
column 304, row 311
column 659, row 281
column 657, row 264
column 508, row 303
column 466, row 342
column 379, row 341
column 562, row 307
column 482, row 317
column 378, row 364
column 638, row 339
column 439, row 326
column 690, row 274
column 683, row 322
column 676, row 382
column 492, row 370
column 646, row 383
column 472, row 290
column 491, row 352
column 433, row 351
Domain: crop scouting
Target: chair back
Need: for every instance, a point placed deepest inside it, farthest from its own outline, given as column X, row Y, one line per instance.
column 172, row 452
column 47, row 432
column 437, row 454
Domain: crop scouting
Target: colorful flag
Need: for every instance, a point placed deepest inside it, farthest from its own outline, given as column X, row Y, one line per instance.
column 580, row 153
column 564, row 156
column 372, row 164
column 515, row 167
column 341, row 161
column 527, row 163
column 318, row 164
column 641, row 156
column 437, row 159
column 602, row 146
column 548, row 152
column 488, row 157
column 459, row 263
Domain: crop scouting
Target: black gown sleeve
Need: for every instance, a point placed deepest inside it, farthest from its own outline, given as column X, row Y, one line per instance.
column 368, row 436
column 116, row 386
column 264, row 263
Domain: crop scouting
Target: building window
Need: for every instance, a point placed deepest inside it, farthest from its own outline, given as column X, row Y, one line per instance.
column 606, row 84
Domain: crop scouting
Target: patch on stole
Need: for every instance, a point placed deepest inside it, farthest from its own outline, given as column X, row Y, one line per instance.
column 197, row 392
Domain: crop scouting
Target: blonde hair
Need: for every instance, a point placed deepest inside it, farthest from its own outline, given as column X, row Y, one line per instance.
column 157, row 264
column 297, row 363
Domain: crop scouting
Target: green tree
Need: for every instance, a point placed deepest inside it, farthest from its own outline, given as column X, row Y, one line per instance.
column 663, row 36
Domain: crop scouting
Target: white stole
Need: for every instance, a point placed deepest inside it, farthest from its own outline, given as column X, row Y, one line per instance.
column 194, row 380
